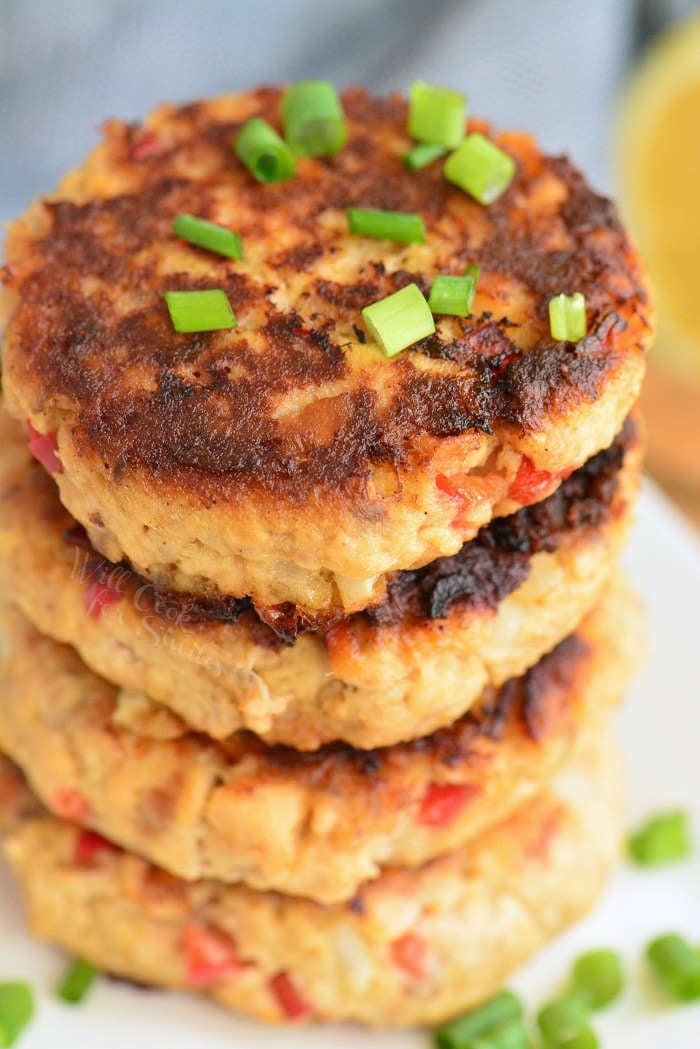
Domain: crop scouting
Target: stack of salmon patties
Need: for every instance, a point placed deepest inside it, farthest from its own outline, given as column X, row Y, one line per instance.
column 310, row 652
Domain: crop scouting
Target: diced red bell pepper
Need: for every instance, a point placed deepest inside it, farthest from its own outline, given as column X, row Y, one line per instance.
column 147, row 146
column 530, row 485
column 44, row 448
column 88, row 846
column 293, row 1004
column 69, row 804
column 410, row 952
column 442, row 803
column 209, row 954
column 99, row 595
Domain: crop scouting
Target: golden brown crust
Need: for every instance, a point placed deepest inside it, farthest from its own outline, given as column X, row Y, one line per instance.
column 131, row 771
column 294, row 414
column 417, row 661
column 413, row 948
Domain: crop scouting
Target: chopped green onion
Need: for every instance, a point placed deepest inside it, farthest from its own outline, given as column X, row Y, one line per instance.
column 422, row 155
column 502, row 1010
column 567, row 317
column 76, row 982
column 564, row 1022
column 473, row 271
column 16, row 1010
column 264, row 153
column 386, row 225
column 313, row 119
column 200, row 310
column 436, row 114
column 599, row 977
column 586, row 1038
column 664, row 839
column 480, row 168
column 452, row 295
column 508, row 1036
column 208, row 235
column 399, row 320
column 677, row 965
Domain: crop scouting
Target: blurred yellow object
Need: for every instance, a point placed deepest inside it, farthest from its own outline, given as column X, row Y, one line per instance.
column 658, row 163
column 658, row 169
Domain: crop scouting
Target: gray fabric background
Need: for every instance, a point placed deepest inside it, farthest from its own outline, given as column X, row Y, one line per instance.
column 551, row 66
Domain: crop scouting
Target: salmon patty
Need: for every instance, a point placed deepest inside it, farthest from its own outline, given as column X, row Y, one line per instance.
column 410, row 665
column 289, row 460
column 131, row 771
column 414, row 947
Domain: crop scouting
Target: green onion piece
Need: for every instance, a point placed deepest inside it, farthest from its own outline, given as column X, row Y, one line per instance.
column 386, row 225
column 200, row 310
column 664, row 839
column 16, row 1010
column 208, row 235
column 677, row 965
column 399, row 320
column 507, row 1036
column 480, row 168
column 567, row 317
column 598, row 976
column 452, row 295
column 76, row 982
column 422, row 155
column 564, row 1019
column 436, row 114
column 502, row 1010
column 586, row 1038
column 473, row 271
column 313, row 119
column 264, row 153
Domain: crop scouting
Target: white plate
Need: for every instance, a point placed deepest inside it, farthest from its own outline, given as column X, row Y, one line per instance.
column 660, row 728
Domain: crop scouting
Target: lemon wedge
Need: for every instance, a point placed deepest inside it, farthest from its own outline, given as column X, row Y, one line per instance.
column 658, row 169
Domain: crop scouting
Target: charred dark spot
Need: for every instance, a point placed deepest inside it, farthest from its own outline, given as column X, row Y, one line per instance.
column 497, row 560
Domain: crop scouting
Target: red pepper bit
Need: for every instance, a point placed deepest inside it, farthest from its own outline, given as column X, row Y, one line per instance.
column 69, row 804
column 88, row 846
column 530, row 485
column 293, row 1005
column 502, row 362
column 210, row 955
column 147, row 146
column 44, row 448
column 99, row 595
column 442, row 803
column 410, row 952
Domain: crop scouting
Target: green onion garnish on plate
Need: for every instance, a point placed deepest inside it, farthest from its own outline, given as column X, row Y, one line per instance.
column 436, row 114
column 386, row 225
column 264, row 153
column 501, row 1011
column 564, row 1023
column 598, row 976
column 422, row 155
column 76, row 982
column 677, row 965
column 16, row 1010
column 480, row 168
column 567, row 317
column 208, row 235
column 664, row 839
column 313, row 119
column 192, row 311
column 400, row 320
column 452, row 295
